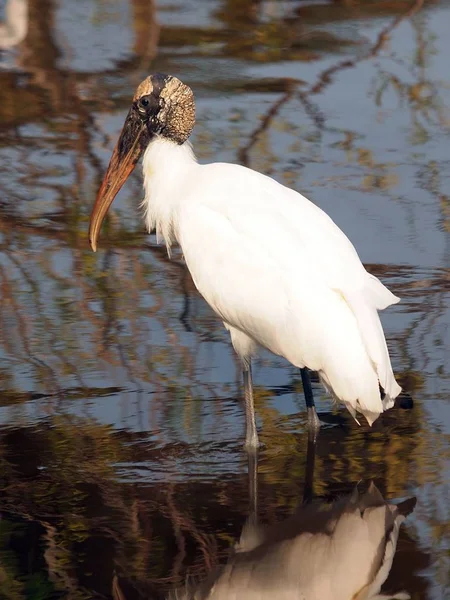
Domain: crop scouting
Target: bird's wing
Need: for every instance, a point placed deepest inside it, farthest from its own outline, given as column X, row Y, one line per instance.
column 238, row 279
column 288, row 226
column 262, row 237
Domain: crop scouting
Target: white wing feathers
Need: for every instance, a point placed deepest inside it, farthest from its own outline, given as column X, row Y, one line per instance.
column 379, row 294
column 375, row 344
column 277, row 268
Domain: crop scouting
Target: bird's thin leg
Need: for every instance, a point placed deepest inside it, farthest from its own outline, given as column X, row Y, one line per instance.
column 313, row 419
column 253, row 487
column 251, row 522
column 251, row 435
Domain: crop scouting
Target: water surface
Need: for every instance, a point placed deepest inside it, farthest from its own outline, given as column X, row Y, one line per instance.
column 120, row 407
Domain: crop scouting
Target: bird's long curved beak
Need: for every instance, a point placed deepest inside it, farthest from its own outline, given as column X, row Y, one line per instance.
column 131, row 144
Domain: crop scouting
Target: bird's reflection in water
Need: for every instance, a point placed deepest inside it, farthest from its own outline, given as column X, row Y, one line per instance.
column 338, row 551
column 14, row 28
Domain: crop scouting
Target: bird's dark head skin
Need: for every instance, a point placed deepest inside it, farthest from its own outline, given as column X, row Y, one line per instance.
column 162, row 106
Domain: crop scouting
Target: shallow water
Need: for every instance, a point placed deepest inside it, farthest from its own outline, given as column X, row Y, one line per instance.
column 120, row 407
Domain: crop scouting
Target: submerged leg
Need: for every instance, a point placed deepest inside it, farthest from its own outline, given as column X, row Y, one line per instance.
column 309, row 469
column 313, row 419
column 253, row 487
column 251, row 435
column 250, row 531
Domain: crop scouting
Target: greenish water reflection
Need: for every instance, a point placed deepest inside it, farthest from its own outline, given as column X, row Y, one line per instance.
column 120, row 411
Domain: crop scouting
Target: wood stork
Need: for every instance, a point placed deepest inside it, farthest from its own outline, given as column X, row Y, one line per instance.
column 271, row 264
column 340, row 551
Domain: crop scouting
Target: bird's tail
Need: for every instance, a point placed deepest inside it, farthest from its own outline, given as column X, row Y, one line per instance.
column 365, row 304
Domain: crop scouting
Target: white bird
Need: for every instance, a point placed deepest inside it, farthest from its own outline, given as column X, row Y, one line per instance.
column 271, row 264
column 342, row 551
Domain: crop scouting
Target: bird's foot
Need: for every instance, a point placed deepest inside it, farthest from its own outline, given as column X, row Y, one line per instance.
column 404, row 401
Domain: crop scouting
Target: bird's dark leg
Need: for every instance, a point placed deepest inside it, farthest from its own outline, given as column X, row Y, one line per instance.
column 309, row 469
column 313, row 419
column 251, row 435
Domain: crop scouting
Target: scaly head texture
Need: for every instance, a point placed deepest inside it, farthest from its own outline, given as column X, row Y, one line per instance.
column 168, row 105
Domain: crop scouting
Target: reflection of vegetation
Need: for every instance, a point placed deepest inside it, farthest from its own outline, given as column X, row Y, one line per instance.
column 77, row 326
column 70, row 522
column 325, row 78
column 420, row 95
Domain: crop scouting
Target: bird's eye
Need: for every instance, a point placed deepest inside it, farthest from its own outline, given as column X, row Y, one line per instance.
column 143, row 104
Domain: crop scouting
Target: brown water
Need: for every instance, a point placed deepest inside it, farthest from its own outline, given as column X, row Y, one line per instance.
column 120, row 407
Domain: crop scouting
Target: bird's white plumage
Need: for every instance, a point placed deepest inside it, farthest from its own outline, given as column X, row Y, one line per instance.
column 276, row 269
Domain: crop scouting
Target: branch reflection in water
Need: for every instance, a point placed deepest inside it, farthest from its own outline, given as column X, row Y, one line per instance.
column 111, row 461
